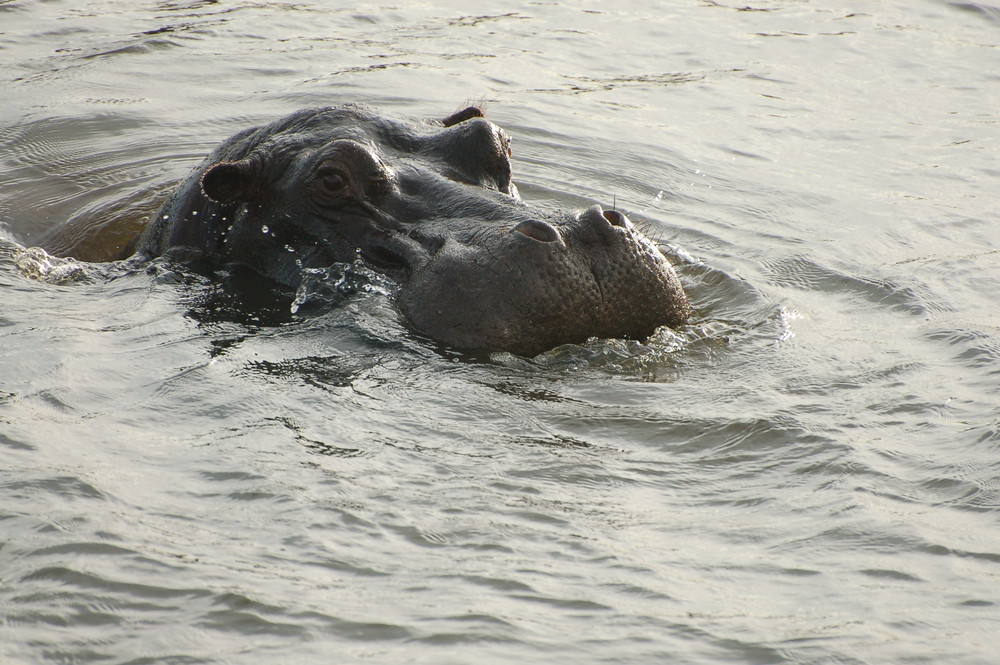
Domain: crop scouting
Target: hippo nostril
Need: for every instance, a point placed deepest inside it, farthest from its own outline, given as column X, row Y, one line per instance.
column 537, row 230
column 615, row 218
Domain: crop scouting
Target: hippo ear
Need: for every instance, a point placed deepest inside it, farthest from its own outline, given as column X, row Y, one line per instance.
column 463, row 115
column 228, row 182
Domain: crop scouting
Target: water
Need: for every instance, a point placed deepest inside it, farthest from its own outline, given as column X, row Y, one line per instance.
column 808, row 473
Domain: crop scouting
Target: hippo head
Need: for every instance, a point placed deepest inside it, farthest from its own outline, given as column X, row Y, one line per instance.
column 432, row 206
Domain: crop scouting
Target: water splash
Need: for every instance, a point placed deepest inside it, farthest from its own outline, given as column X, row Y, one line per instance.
column 37, row 264
column 331, row 286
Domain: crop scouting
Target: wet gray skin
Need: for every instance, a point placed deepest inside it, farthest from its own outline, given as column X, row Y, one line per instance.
column 432, row 206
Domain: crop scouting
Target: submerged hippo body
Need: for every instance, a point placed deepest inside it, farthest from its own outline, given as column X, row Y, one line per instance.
column 432, row 206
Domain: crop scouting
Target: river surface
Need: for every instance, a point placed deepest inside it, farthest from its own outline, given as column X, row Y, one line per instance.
column 807, row 473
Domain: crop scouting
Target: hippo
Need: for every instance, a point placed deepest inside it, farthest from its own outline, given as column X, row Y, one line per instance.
column 431, row 206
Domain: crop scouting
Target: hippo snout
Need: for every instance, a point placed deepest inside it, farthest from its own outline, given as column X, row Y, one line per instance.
column 550, row 282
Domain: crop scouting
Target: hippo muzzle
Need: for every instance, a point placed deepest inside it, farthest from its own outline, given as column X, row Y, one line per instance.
column 538, row 284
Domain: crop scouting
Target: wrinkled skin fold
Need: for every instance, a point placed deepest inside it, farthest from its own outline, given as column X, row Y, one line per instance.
column 432, row 206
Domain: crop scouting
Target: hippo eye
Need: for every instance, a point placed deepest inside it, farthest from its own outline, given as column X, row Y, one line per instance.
column 332, row 181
